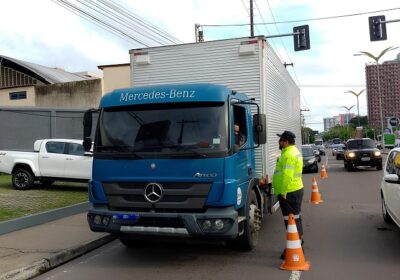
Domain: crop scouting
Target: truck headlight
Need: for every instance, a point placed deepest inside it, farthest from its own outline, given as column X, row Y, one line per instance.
column 351, row 155
column 377, row 153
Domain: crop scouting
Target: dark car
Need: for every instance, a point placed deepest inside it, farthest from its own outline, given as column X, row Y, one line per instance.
column 321, row 150
column 339, row 153
column 362, row 152
column 310, row 162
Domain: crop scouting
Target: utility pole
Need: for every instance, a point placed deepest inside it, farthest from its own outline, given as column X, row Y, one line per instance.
column 302, row 124
column 251, row 19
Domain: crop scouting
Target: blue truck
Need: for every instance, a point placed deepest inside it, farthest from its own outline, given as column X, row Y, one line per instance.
column 166, row 159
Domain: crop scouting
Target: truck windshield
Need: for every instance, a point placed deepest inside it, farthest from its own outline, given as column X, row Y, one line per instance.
column 361, row 144
column 164, row 130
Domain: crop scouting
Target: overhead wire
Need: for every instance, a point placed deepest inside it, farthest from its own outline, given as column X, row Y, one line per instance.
column 304, row 20
column 111, row 17
column 266, row 28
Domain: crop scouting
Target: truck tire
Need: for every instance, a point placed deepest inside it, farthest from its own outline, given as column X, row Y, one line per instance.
column 252, row 225
column 22, row 179
column 349, row 166
column 379, row 166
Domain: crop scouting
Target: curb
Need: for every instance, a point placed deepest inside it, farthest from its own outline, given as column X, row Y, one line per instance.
column 55, row 260
column 41, row 218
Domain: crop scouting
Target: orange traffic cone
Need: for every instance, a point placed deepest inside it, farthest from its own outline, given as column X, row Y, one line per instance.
column 315, row 195
column 294, row 256
column 323, row 172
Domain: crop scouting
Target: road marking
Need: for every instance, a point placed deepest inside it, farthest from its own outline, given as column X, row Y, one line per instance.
column 295, row 275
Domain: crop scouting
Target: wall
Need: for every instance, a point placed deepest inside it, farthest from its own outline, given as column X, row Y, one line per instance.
column 29, row 101
column 20, row 127
column 115, row 77
column 81, row 94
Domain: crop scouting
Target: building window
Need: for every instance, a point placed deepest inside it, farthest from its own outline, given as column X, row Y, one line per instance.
column 17, row 95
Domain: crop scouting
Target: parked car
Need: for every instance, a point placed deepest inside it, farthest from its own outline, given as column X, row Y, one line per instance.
column 362, row 152
column 316, row 152
column 335, row 147
column 390, row 188
column 51, row 160
column 339, row 153
column 310, row 162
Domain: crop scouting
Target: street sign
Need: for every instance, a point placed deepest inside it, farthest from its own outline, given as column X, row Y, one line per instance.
column 394, row 121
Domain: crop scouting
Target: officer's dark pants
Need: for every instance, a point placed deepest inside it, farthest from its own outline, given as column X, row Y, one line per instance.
column 292, row 204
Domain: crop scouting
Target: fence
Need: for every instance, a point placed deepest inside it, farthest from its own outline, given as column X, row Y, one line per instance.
column 20, row 127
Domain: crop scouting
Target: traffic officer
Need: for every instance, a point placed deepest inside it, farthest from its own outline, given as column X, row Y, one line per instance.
column 287, row 181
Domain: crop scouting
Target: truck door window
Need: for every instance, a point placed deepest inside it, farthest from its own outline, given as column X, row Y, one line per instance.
column 55, row 147
column 239, row 118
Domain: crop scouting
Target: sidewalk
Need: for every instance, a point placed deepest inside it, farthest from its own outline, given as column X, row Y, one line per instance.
column 29, row 252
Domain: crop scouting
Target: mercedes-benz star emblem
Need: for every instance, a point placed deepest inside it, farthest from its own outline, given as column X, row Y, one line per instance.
column 153, row 192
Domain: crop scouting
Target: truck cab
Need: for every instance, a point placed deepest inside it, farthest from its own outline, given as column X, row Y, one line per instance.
column 166, row 163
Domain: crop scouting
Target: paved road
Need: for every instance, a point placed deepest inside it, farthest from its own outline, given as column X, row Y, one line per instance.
column 345, row 236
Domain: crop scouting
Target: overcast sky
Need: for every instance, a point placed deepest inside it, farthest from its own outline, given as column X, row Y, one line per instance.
column 42, row 32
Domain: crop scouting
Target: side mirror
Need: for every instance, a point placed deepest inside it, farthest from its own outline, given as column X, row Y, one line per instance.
column 260, row 129
column 87, row 129
column 392, row 178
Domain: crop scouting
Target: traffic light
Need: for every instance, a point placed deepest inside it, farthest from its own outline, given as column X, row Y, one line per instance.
column 302, row 38
column 377, row 28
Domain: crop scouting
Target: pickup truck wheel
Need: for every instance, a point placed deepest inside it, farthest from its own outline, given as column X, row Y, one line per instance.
column 252, row 225
column 22, row 179
column 349, row 166
column 386, row 216
column 379, row 166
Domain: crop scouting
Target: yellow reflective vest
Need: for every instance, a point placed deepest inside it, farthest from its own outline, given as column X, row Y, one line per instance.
column 288, row 171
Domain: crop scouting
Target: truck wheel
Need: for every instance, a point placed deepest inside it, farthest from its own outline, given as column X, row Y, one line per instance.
column 22, row 179
column 386, row 216
column 379, row 166
column 349, row 166
column 252, row 225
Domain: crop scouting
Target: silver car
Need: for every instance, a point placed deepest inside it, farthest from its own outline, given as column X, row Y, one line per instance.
column 390, row 188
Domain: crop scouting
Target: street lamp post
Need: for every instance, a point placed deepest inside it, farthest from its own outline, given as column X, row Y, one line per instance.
column 358, row 106
column 376, row 59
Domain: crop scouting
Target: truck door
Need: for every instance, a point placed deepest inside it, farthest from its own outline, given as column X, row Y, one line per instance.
column 52, row 159
column 243, row 166
column 77, row 165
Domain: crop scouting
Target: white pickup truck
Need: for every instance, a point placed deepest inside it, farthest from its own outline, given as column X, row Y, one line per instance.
column 52, row 160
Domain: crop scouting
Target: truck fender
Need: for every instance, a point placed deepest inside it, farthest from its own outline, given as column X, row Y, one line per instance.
column 22, row 162
column 254, row 185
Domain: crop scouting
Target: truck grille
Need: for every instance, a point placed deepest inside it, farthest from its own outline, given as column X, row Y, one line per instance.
column 187, row 196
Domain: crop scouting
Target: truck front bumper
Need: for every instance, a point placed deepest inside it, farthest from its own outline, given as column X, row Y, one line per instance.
column 220, row 223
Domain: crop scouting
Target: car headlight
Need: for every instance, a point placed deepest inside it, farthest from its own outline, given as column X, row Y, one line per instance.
column 377, row 153
column 351, row 155
column 311, row 161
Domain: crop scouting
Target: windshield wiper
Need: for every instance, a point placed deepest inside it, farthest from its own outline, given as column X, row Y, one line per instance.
column 187, row 149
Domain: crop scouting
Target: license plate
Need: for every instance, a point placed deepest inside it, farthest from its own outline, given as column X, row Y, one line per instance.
column 365, row 159
column 126, row 217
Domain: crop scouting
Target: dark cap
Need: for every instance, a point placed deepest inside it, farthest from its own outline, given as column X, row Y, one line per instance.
column 287, row 135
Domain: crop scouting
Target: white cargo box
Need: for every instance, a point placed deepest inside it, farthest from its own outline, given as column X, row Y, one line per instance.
column 247, row 65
